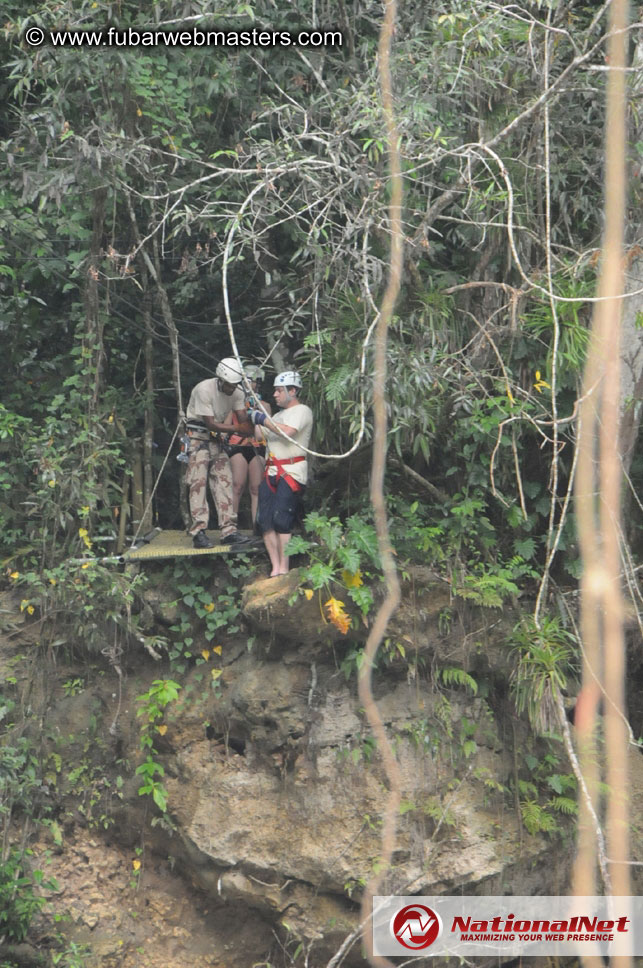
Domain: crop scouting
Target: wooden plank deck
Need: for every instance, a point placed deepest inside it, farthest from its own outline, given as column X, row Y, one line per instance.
column 175, row 544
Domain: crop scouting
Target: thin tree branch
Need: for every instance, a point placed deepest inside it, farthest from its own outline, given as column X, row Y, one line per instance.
column 598, row 518
column 609, row 327
column 542, row 592
column 422, row 482
column 393, row 594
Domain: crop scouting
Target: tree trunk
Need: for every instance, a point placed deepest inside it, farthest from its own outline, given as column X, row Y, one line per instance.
column 148, row 434
column 632, row 364
column 124, row 515
column 93, row 339
column 137, row 494
column 632, row 331
column 168, row 319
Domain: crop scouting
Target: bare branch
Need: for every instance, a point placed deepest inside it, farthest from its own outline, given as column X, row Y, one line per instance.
column 393, row 593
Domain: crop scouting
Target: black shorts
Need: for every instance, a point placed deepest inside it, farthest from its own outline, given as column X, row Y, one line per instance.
column 279, row 510
column 248, row 452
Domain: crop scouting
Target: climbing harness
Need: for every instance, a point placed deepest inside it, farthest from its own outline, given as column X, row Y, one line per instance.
column 279, row 464
column 234, row 364
column 227, row 259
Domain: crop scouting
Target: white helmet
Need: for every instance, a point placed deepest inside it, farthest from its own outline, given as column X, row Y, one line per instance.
column 254, row 372
column 229, row 370
column 289, row 378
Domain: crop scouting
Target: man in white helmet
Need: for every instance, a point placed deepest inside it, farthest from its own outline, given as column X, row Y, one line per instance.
column 210, row 402
column 281, row 492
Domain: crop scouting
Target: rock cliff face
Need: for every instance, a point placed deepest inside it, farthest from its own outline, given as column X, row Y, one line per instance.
column 275, row 790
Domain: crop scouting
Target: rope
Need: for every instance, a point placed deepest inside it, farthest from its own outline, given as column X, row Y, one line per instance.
column 176, row 363
column 233, row 341
column 156, row 482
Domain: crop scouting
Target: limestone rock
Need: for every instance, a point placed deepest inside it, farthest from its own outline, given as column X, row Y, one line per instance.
column 276, row 789
column 276, row 605
column 162, row 600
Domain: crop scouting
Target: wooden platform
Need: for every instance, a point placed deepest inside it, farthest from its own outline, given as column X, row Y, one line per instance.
column 178, row 544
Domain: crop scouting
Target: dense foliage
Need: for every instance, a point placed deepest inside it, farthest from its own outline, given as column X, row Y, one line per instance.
column 154, row 200
column 145, row 188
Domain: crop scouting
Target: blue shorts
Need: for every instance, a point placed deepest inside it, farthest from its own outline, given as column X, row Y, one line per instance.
column 279, row 510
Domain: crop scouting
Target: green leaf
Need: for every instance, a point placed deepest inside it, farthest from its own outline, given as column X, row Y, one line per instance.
column 564, row 805
column 555, row 782
column 319, row 575
column 160, row 798
column 525, row 548
column 297, row 545
column 348, row 558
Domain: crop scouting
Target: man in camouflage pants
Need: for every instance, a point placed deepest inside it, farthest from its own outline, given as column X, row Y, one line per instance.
column 210, row 403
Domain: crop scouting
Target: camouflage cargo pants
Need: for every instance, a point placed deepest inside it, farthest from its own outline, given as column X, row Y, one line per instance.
column 209, row 464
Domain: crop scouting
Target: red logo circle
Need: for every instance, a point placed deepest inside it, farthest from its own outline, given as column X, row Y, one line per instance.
column 416, row 926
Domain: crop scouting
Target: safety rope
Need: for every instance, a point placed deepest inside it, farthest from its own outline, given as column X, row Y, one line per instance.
column 156, row 482
column 176, row 363
column 176, row 375
column 270, row 174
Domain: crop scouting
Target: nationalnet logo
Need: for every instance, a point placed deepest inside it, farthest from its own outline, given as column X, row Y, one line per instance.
column 416, row 926
column 540, row 929
column 511, row 925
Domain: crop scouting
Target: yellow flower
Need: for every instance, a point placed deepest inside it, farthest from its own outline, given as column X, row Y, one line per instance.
column 85, row 509
column 308, row 592
column 23, row 604
column 52, row 581
column 30, row 609
column 14, row 575
column 540, row 383
column 209, row 607
column 110, row 419
column 352, row 580
column 51, row 483
column 337, row 615
column 136, row 864
column 86, row 565
column 84, row 534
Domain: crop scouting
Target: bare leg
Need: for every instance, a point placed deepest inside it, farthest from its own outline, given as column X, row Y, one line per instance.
column 282, row 541
column 255, row 477
column 271, row 541
column 239, row 477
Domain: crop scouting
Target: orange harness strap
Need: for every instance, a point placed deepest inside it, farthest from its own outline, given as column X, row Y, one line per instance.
column 279, row 464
